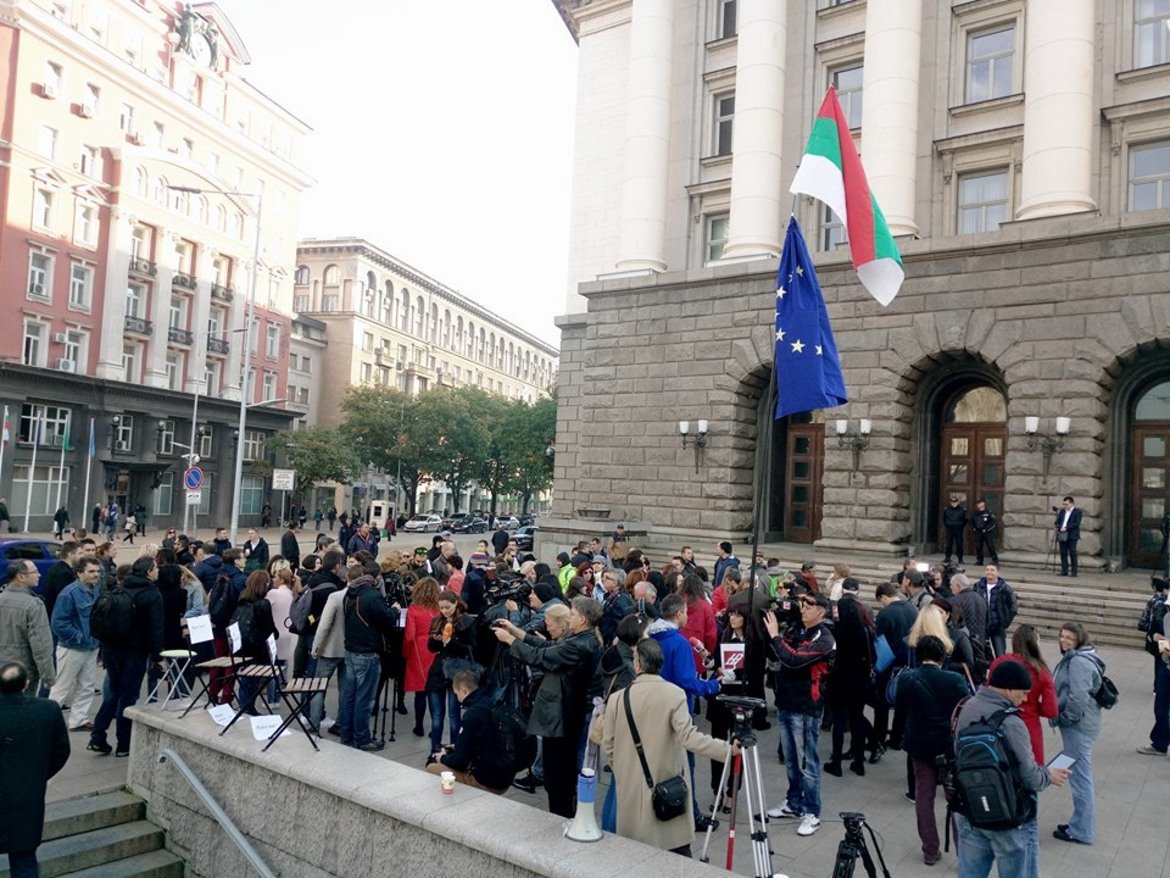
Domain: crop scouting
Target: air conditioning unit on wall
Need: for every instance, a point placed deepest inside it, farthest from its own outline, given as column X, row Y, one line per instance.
column 64, row 364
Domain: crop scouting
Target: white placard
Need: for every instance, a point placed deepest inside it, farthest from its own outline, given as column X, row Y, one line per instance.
column 199, row 629
column 221, row 713
column 731, row 654
column 264, row 726
column 271, row 643
column 284, row 479
column 194, row 498
column 234, row 638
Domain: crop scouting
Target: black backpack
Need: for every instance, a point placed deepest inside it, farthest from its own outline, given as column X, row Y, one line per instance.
column 300, row 614
column 988, row 788
column 516, row 748
column 111, row 618
column 244, row 617
column 222, row 604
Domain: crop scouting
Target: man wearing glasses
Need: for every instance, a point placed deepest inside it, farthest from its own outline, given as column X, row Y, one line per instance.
column 24, row 626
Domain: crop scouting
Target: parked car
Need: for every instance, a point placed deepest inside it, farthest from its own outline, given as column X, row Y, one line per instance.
column 507, row 522
column 469, row 524
column 524, row 537
column 43, row 553
column 423, row 523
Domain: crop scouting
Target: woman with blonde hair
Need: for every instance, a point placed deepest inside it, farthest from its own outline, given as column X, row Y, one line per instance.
column 840, row 573
column 930, row 621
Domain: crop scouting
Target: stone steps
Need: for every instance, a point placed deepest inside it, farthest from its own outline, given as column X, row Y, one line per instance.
column 103, row 836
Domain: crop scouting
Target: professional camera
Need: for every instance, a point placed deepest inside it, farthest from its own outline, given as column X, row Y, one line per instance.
column 516, row 590
column 787, row 611
column 741, row 702
column 399, row 588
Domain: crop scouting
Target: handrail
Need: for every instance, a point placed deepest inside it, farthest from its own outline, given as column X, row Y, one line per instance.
column 218, row 813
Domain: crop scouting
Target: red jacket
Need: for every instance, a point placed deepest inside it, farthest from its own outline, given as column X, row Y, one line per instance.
column 701, row 625
column 1041, row 702
column 719, row 599
column 414, row 647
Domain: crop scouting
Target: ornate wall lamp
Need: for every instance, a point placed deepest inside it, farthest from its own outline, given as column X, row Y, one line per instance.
column 858, row 441
column 1049, row 444
column 700, row 439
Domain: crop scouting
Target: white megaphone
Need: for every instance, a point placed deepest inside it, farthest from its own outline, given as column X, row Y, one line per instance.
column 584, row 826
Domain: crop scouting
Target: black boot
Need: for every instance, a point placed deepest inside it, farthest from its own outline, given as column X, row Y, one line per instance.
column 833, row 767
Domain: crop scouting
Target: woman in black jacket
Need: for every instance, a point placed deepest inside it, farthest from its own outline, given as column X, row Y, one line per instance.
column 174, row 598
column 720, row 717
column 254, row 616
column 453, row 639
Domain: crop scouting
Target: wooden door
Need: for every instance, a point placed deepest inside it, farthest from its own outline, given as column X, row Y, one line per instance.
column 1149, row 492
column 804, row 465
column 972, row 467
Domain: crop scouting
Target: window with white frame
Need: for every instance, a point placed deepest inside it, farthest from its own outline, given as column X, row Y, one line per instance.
column 47, row 142
column 272, row 341
column 35, row 349
column 51, row 78
column 1151, row 32
column 419, row 317
column 1149, row 176
column 75, row 348
column 367, row 372
column 135, row 300
column 164, row 494
column 178, row 313
column 160, row 135
column 43, row 208
column 85, row 224
column 215, row 322
column 166, row 438
column 204, row 507
column 253, row 444
column 269, row 388
column 140, row 242
column 723, row 120
column 990, row 63
column 301, row 303
column 35, row 490
column 124, row 435
column 131, row 362
column 92, row 102
column 251, row 495
column 48, row 423
column 126, row 118
column 716, row 235
column 40, row 275
column 211, row 377
column 983, row 201
column 206, row 439
column 174, row 367
column 367, row 341
column 847, row 81
column 80, row 285
column 329, row 302
column 833, row 231
column 725, row 11
column 91, row 161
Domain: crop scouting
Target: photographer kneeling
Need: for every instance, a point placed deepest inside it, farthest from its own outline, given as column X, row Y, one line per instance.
column 561, row 707
column 475, row 757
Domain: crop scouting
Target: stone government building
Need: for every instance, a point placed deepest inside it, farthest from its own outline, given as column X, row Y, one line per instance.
column 1033, row 213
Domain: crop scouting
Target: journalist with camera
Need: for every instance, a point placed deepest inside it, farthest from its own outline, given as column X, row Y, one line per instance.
column 561, row 707
column 476, row 757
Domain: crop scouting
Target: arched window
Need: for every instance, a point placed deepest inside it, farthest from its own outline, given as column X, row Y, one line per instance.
column 201, row 210
column 388, row 304
column 302, row 278
column 221, row 217
column 404, row 311
column 470, row 339
column 141, row 182
column 433, row 325
column 500, row 356
column 460, row 341
column 979, row 405
column 331, row 275
column 491, row 349
column 1154, row 404
column 420, row 314
column 160, row 191
column 446, row 328
column 238, row 225
column 481, row 344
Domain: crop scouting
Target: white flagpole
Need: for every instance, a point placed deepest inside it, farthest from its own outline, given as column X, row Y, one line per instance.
column 32, row 470
column 61, row 471
column 88, row 471
column 3, row 442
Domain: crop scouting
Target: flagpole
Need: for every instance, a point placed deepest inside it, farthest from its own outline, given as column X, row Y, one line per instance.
column 88, row 470
column 3, row 444
column 61, row 470
column 32, row 469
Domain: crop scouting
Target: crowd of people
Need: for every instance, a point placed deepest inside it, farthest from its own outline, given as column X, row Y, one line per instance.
column 521, row 673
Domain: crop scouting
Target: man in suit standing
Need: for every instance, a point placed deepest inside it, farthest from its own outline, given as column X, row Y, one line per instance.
column 984, row 525
column 1068, row 532
column 34, row 746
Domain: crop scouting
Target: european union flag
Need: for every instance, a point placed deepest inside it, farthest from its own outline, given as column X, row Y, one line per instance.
column 808, row 370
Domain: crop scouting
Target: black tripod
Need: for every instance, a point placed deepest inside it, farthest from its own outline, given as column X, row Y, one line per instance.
column 853, row 845
column 387, row 699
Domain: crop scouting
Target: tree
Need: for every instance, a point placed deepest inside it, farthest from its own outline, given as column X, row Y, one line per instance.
column 382, row 426
column 456, row 435
column 528, row 463
column 495, row 414
column 317, row 454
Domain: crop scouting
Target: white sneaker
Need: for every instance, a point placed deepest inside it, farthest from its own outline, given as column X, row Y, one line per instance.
column 783, row 811
column 808, row 825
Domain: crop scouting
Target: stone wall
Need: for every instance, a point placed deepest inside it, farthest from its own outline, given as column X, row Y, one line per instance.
column 341, row 812
column 1056, row 312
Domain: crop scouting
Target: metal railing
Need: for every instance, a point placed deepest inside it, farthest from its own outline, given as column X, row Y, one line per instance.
column 221, row 817
column 138, row 325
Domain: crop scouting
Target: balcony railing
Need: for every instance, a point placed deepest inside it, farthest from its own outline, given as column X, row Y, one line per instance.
column 184, row 280
column 144, row 267
column 218, row 346
column 180, row 336
column 139, row 325
column 221, row 292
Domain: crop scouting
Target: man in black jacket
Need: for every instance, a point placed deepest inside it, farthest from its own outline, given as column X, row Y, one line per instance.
column 894, row 622
column 984, row 525
column 59, row 576
column 849, row 682
column 289, row 547
column 955, row 523
column 1068, row 534
column 1002, row 606
column 475, row 757
column 125, row 663
column 368, row 619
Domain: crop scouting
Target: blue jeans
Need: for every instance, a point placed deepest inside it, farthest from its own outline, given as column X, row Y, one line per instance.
column 442, row 702
column 1015, row 852
column 1160, row 734
column 1079, row 745
column 799, row 734
column 125, row 669
column 324, row 667
column 362, row 671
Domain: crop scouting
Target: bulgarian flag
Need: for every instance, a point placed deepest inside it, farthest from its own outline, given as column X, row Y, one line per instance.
column 831, row 171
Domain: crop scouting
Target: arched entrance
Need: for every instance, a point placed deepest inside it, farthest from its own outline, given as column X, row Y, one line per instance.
column 1149, row 481
column 794, row 464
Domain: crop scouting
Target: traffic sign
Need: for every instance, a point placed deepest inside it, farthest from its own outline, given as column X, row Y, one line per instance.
column 193, row 478
column 194, row 498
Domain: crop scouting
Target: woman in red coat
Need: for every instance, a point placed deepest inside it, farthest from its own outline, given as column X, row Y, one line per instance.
column 700, row 618
column 1041, row 701
column 424, row 607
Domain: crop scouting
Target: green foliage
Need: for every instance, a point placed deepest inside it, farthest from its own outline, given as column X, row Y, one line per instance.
column 318, row 454
column 381, row 425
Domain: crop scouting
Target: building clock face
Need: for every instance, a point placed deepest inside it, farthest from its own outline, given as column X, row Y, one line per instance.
column 201, row 49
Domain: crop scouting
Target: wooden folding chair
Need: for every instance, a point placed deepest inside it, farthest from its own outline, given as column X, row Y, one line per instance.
column 219, row 663
column 253, row 670
column 297, row 696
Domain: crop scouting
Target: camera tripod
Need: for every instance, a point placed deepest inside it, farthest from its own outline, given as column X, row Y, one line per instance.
column 387, row 701
column 744, row 766
column 853, row 845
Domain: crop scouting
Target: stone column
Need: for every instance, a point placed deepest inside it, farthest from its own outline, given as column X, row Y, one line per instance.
column 889, row 118
column 643, row 229
column 1059, row 67
column 113, row 302
column 159, row 311
column 757, row 171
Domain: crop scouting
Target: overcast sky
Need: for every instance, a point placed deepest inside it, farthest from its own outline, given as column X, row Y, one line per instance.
column 442, row 133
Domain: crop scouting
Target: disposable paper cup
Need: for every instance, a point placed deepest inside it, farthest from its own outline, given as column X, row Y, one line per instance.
column 447, row 779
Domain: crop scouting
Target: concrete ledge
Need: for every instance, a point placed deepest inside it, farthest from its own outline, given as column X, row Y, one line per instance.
column 341, row 812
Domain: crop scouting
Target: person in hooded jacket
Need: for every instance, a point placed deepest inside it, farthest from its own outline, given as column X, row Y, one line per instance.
column 174, row 600
column 208, row 566
column 1077, row 677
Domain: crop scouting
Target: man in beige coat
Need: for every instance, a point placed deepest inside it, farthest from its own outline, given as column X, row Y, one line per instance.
column 666, row 730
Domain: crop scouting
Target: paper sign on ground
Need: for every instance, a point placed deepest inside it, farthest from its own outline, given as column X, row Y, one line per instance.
column 731, row 655
column 234, row 637
column 199, row 629
column 221, row 713
column 264, row 726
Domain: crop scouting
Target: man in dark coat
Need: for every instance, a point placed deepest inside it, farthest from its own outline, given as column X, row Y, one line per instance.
column 955, row 522
column 60, row 575
column 984, row 525
column 475, row 758
column 1068, row 534
column 849, row 680
column 289, row 547
column 34, row 746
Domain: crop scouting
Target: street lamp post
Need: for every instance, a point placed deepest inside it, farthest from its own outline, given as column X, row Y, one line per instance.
column 247, row 363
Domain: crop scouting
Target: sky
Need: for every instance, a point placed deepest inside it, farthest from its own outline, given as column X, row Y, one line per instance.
column 442, row 132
